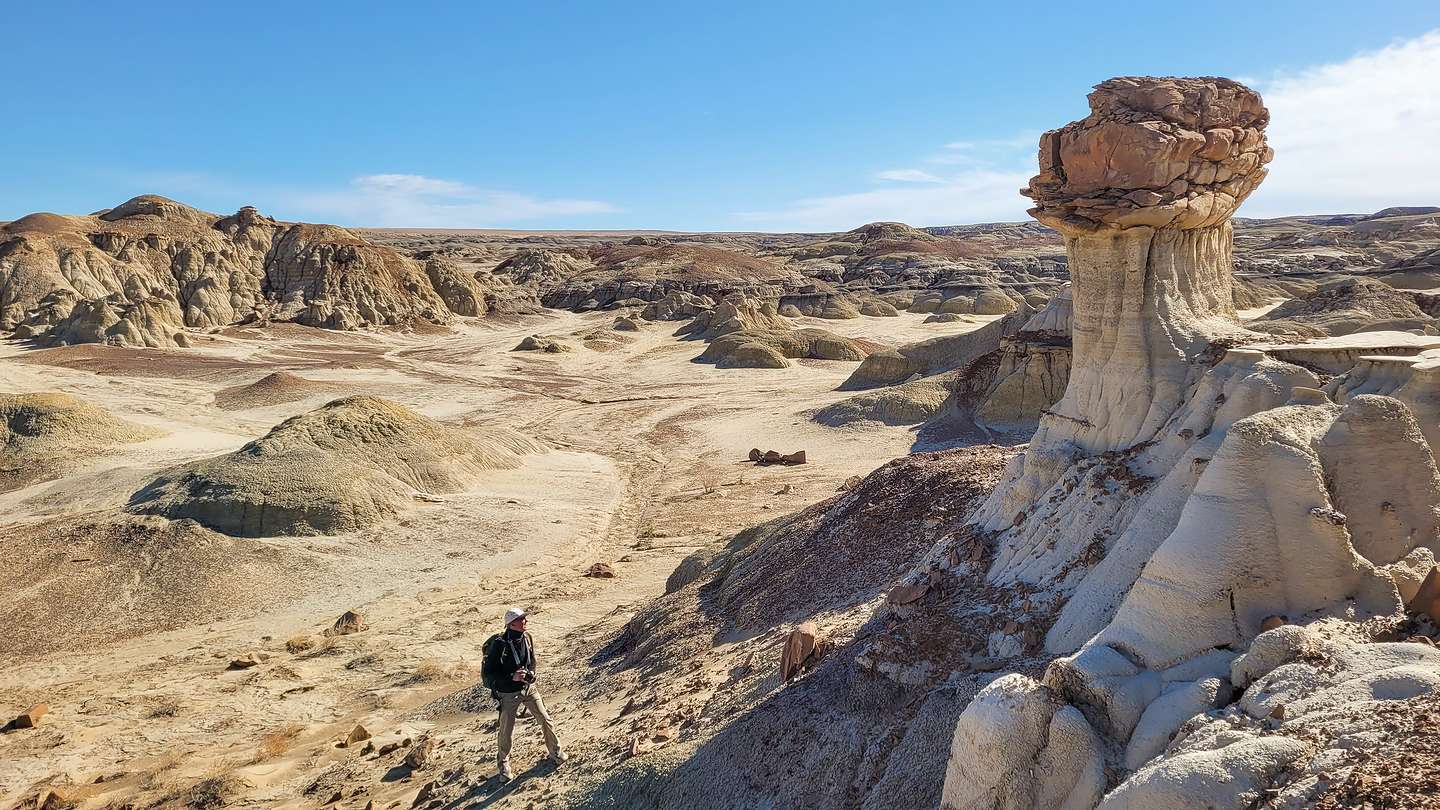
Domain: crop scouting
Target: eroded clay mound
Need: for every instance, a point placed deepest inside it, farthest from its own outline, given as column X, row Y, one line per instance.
column 1345, row 306
column 341, row 467
column 935, row 355
column 101, row 578
column 1002, row 378
column 551, row 344
column 154, row 323
column 908, row 403
column 828, row 305
column 322, row 275
column 769, row 348
column 276, row 388
column 44, row 436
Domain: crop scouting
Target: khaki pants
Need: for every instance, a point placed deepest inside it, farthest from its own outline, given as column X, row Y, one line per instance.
column 510, row 703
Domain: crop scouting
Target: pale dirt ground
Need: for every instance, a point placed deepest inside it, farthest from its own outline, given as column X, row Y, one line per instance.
column 649, row 464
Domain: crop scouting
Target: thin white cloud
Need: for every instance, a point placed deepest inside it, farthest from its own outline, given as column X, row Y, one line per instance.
column 412, row 200
column 907, row 176
column 1350, row 137
column 410, row 184
column 980, row 182
column 1355, row 136
column 976, row 195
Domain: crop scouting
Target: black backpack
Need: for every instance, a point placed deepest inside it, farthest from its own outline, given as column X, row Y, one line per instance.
column 491, row 652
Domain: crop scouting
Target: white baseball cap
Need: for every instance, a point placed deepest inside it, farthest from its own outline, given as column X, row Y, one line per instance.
column 511, row 614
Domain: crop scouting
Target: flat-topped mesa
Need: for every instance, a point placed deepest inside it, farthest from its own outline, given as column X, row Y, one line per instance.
column 1142, row 190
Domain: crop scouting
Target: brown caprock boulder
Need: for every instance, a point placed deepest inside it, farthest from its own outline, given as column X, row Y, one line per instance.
column 804, row 647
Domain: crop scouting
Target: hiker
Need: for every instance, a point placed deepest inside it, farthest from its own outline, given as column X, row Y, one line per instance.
column 509, row 671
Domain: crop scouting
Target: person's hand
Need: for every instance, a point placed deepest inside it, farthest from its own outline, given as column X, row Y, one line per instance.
column 519, row 676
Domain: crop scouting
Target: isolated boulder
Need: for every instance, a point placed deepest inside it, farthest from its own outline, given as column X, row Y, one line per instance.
column 30, row 718
column 349, row 622
column 542, row 343
column 804, row 647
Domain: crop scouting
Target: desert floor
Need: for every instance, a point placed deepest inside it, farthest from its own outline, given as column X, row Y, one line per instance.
column 648, row 463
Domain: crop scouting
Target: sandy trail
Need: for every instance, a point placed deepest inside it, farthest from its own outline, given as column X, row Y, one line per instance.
column 648, row 465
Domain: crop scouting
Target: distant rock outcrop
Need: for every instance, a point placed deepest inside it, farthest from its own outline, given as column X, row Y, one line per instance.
column 339, row 468
column 650, row 272
column 734, row 314
column 144, row 271
column 1345, row 306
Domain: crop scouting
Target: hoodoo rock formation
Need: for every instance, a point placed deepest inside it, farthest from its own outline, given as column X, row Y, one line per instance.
column 1142, row 191
column 1188, row 487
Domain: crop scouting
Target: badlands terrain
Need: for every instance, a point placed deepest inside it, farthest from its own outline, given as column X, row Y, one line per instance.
column 1133, row 506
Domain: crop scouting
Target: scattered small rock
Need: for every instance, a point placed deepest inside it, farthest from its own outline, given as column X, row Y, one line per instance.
column 1272, row 622
column 419, row 754
column 770, row 457
column 248, row 660
column 907, row 592
column 849, row 483
column 357, row 734
column 30, row 718
column 804, row 647
column 349, row 622
column 601, row 570
column 1427, row 599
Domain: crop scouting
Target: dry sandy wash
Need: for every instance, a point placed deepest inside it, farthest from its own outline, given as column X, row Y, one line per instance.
column 126, row 624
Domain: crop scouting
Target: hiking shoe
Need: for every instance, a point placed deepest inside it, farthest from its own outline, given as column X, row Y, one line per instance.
column 506, row 774
column 559, row 757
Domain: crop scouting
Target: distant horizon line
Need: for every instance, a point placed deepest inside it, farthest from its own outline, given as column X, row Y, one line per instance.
column 680, row 232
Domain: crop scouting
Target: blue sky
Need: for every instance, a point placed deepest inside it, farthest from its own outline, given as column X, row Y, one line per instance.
column 733, row 116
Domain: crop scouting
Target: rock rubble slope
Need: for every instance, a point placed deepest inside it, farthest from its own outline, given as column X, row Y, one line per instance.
column 1186, row 495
